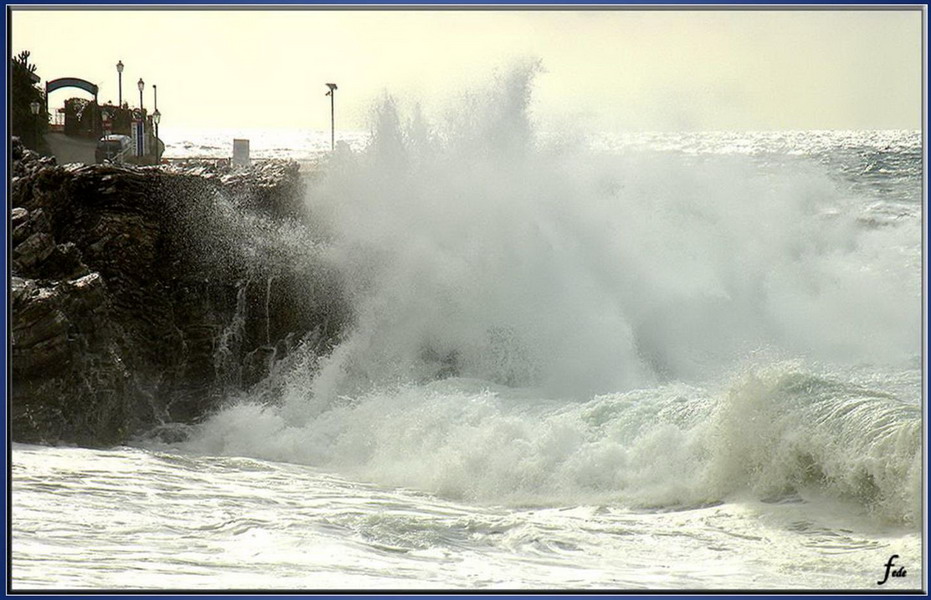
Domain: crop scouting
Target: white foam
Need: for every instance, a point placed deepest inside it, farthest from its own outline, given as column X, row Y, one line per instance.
column 550, row 274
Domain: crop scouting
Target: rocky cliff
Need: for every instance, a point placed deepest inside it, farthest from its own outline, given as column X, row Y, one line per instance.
column 142, row 296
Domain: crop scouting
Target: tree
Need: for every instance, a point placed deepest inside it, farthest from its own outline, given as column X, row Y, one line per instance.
column 24, row 91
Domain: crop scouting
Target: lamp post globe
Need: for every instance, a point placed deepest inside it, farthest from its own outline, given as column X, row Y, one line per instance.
column 141, row 86
column 34, row 106
column 119, row 74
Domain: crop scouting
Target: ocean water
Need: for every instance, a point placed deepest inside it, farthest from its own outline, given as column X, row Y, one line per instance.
column 298, row 144
column 629, row 361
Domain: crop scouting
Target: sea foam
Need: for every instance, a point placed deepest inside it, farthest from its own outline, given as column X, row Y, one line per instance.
column 536, row 321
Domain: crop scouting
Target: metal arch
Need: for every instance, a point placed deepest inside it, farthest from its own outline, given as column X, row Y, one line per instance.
column 63, row 82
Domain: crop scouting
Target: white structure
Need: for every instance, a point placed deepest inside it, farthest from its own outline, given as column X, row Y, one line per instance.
column 241, row 153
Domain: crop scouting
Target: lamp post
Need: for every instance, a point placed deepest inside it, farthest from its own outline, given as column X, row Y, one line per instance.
column 156, row 117
column 119, row 74
column 34, row 106
column 141, row 86
column 332, row 95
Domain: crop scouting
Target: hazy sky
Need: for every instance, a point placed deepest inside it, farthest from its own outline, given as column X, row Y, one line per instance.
column 608, row 69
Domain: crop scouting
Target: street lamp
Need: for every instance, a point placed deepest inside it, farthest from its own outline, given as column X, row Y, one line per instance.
column 141, row 86
column 34, row 106
column 156, row 117
column 155, row 92
column 332, row 95
column 119, row 74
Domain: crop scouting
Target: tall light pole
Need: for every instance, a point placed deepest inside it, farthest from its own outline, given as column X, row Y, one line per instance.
column 119, row 74
column 156, row 117
column 141, row 86
column 332, row 95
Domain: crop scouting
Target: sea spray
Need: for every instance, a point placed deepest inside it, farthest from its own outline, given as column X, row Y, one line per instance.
column 542, row 323
column 268, row 317
column 228, row 347
column 608, row 273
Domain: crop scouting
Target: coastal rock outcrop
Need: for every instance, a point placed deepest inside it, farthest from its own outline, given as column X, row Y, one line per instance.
column 143, row 296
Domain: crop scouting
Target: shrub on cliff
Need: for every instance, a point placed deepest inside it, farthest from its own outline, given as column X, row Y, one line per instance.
column 24, row 91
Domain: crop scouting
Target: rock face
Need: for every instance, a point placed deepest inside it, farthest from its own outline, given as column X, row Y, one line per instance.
column 143, row 296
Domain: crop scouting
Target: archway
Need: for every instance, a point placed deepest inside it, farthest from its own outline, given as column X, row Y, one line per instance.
column 61, row 82
column 78, row 117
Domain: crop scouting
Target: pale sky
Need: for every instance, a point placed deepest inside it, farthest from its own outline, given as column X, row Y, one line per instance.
column 617, row 70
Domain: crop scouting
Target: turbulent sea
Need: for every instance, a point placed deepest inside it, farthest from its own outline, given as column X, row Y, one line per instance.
column 642, row 361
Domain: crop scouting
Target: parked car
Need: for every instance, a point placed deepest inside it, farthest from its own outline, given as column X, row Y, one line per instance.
column 113, row 148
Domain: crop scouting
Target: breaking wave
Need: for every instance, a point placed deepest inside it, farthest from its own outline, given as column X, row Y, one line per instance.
column 536, row 321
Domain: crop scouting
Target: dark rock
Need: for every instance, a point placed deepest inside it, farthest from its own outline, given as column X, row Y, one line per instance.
column 18, row 216
column 141, row 296
column 25, row 161
column 69, row 383
column 32, row 251
column 257, row 365
column 64, row 262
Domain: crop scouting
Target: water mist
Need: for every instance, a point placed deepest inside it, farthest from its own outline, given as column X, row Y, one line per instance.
column 537, row 321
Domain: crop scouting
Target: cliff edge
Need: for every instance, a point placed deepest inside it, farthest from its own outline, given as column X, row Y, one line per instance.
column 145, row 296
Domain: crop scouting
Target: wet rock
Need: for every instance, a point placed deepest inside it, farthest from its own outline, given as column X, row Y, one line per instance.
column 140, row 296
column 257, row 365
column 32, row 251
column 69, row 383
column 18, row 216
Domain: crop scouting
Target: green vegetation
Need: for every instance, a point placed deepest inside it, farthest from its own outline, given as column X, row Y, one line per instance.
column 24, row 90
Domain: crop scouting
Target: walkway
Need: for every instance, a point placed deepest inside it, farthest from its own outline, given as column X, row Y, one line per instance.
column 70, row 149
